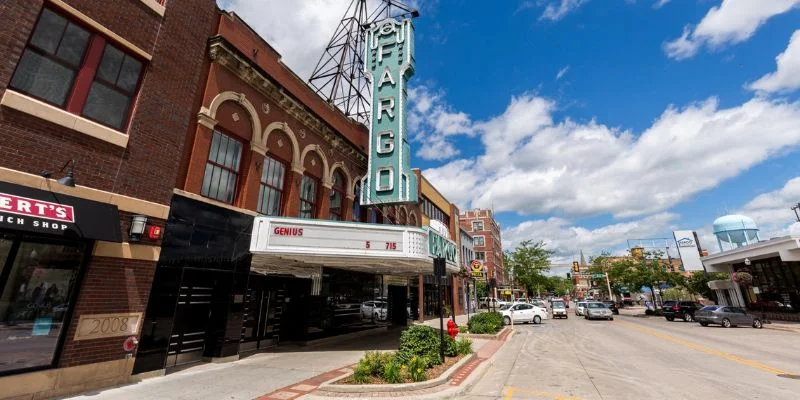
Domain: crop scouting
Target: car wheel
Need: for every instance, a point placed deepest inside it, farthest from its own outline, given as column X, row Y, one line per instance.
column 688, row 317
column 757, row 324
column 537, row 319
column 507, row 320
column 726, row 323
column 611, row 319
column 670, row 319
column 704, row 324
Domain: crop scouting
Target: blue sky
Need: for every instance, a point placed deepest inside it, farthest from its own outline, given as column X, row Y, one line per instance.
column 585, row 123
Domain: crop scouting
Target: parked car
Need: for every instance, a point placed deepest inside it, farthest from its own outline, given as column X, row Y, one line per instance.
column 612, row 305
column 597, row 310
column 684, row 310
column 559, row 309
column 373, row 310
column 524, row 313
column 539, row 303
column 580, row 308
column 727, row 316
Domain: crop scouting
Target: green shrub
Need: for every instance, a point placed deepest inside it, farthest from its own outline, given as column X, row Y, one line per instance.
column 488, row 322
column 417, row 367
column 450, row 346
column 362, row 372
column 375, row 360
column 392, row 372
column 419, row 341
column 464, row 346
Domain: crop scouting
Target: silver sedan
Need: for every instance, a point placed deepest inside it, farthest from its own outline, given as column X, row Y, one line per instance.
column 596, row 310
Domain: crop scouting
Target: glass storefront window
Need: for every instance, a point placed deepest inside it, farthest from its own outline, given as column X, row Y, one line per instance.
column 37, row 280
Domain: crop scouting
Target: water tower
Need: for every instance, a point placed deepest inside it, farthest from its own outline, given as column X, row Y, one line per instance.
column 734, row 231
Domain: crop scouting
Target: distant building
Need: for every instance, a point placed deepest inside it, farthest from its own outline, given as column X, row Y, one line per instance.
column 488, row 246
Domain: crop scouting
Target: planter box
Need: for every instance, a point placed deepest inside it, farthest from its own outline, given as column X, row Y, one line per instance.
column 331, row 387
column 496, row 336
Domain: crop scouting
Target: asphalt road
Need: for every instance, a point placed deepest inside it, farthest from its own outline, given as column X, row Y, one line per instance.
column 642, row 358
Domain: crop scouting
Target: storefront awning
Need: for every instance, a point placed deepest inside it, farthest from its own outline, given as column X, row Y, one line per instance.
column 297, row 246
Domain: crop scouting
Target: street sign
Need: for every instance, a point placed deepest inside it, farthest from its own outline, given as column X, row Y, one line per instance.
column 598, row 276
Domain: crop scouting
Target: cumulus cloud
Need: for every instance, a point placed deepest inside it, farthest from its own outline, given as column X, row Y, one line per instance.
column 533, row 164
column 567, row 239
column 731, row 22
column 431, row 122
column 786, row 77
column 558, row 9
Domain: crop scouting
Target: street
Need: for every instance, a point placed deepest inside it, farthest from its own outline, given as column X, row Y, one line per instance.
column 637, row 358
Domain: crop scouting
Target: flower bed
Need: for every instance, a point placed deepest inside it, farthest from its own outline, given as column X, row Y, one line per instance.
column 416, row 359
column 486, row 323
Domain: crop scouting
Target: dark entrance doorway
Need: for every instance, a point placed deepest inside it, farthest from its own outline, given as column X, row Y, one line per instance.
column 274, row 311
column 399, row 308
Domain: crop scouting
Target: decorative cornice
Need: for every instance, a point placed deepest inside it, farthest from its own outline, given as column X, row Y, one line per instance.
column 203, row 118
column 221, row 52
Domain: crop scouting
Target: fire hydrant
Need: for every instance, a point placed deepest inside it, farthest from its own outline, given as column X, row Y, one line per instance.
column 452, row 329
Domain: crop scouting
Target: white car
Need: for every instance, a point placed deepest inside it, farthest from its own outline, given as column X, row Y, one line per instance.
column 523, row 313
column 373, row 310
column 580, row 308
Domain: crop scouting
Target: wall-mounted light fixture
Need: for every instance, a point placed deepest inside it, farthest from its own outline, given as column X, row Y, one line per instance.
column 68, row 179
column 138, row 225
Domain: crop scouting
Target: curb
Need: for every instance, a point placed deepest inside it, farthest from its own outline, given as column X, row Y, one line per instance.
column 329, row 387
column 495, row 336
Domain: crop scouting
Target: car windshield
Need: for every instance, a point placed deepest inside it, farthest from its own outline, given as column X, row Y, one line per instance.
column 505, row 307
column 558, row 304
column 581, row 304
column 595, row 305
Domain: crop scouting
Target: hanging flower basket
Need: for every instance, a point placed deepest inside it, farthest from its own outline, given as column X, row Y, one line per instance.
column 743, row 278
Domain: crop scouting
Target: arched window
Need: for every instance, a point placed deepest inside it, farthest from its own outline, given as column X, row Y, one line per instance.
column 273, row 180
column 357, row 203
column 402, row 216
column 337, row 195
column 222, row 169
column 308, row 197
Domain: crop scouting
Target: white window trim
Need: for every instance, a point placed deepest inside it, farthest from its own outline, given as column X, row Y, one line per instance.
column 29, row 105
column 476, row 242
column 478, row 230
column 153, row 4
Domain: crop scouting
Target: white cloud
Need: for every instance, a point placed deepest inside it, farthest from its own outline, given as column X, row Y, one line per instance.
column 562, row 72
column 786, row 77
column 533, row 164
column 560, row 8
column 431, row 122
column 732, row 22
column 660, row 3
column 568, row 240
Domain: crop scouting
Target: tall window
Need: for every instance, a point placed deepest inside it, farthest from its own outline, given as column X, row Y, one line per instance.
column 480, row 255
column 222, row 169
column 477, row 226
column 273, row 178
column 357, row 203
column 308, row 197
column 480, row 241
column 336, row 195
column 75, row 69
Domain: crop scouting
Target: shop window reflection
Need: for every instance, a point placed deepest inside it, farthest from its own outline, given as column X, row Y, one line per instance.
column 34, row 300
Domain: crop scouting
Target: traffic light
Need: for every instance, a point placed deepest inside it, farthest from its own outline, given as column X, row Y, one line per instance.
column 569, row 276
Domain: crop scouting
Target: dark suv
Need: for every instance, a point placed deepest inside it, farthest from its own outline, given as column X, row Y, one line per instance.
column 680, row 309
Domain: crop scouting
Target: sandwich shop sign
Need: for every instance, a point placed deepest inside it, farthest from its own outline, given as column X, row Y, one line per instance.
column 389, row 64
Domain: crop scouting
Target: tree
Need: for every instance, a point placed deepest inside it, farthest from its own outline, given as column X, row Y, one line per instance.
column 698, row 283
column 649, row 271
column 558, row 286
column 482, row 288
column 603, row 264
column 528, row 262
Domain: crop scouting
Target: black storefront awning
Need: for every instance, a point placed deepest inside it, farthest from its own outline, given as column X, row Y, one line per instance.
column 32, row 210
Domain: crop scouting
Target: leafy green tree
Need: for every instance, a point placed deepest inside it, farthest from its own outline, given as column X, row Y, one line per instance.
column 559, row 286
column 649, row 271
column 528, row 263
column 604, row 264
column 698, row 283
column 482, row 288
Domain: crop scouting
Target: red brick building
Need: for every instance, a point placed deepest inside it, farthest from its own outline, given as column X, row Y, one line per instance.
column 108, row 92
column 488, row 245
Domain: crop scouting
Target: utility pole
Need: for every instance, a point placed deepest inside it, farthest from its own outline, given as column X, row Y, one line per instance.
column 608, row 283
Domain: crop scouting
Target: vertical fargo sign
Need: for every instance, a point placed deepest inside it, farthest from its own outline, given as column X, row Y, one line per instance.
column 389, row 64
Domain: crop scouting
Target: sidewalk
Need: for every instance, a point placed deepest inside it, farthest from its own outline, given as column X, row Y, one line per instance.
column 434, row 322
column 252, row 376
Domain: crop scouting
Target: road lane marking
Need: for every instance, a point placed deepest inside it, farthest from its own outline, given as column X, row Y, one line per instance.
column 704, row 349
column 553, row 396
